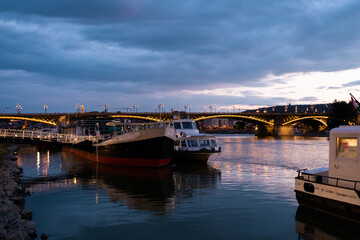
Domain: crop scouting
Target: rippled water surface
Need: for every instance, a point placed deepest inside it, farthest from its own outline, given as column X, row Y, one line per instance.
column 245, row 192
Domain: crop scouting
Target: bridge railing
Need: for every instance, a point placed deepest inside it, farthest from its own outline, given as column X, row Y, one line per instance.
column 44, row 136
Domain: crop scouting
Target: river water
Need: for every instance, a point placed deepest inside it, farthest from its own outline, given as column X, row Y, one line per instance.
column 245, row 192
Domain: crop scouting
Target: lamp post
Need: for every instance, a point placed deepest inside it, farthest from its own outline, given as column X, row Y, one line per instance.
column 45, row 107
column 189, row 108
column 205, row 107
column 161, row 108
column 77, row 107
column 19, row 107
column 136, row 107
column 105, row 107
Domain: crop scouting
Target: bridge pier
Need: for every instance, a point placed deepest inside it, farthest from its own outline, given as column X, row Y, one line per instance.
column 275, row 131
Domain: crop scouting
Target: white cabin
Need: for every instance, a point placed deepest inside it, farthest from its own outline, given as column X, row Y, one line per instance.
column 185, row 127
column 344, row 159
column 190, row 139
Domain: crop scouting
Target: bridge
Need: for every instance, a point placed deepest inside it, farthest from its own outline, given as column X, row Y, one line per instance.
column 274, row 124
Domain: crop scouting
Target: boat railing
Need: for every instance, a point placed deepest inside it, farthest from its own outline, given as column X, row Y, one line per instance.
column 44, row 136
column 130, row 127
column 72, row 138
column 326, row 180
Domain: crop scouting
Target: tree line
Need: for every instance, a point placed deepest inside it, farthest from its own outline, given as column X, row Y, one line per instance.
column 342, row 113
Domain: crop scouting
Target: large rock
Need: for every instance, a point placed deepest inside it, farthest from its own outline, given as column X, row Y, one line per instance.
column 15, row 220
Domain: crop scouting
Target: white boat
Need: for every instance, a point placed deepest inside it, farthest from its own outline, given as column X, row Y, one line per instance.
column 190, row 144
column 335, row 189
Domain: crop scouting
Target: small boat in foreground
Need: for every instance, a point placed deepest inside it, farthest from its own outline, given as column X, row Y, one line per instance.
column 335, row 190
column 136, row 145
column 191, row 144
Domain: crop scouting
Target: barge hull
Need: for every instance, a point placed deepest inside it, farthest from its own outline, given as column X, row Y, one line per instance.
column 154, row 152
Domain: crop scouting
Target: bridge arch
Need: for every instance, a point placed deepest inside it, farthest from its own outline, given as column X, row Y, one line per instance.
column 319, row 119
column 136, row 117
column 29, row 119
column 252, row 118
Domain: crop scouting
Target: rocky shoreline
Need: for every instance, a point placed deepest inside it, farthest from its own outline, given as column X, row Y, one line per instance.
column 15, row 219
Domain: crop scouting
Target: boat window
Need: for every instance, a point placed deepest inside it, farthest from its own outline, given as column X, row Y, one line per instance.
column 204, row 143
column 183, row 143
column 187, row 125
column 309, row 187
column 192, row 143
column 213, row 142
column 177, row 125
column 346, row 147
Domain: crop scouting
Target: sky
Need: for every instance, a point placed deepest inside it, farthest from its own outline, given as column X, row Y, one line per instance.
column 232, row 54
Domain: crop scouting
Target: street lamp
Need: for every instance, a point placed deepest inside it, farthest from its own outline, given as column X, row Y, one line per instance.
column 19, row 107
column 205, row 107
column 215, row 108
column 161, row 108
column 45, row 107
column 136, row 107
column 105, row 107
column 155, row 108
column 77, row 107
column 189, row 108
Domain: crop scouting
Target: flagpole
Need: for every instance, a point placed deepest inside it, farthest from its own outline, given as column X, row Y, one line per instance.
column 356, row 105
column 352, row 96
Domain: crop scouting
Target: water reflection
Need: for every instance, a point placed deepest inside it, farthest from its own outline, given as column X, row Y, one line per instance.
column 287, row 152
column 77, row 200
column 311, row 224
column 154, row 190
column 190, row 176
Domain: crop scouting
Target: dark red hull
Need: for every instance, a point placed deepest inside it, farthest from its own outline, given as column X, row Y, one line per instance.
column 131, row 162
column 152, row 153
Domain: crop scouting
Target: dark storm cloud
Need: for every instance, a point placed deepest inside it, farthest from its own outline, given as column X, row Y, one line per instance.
column 148, row 47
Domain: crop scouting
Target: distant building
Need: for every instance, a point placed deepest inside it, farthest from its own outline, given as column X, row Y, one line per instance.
column 219, row 123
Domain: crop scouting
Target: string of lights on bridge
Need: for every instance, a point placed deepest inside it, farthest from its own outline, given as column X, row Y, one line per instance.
column 159, row 108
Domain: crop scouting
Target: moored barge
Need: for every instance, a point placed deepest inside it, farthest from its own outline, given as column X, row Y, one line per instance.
column 141, row 145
